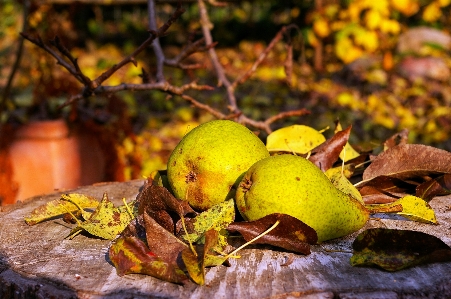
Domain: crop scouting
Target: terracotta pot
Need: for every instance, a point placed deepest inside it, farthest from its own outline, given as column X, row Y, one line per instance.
column 46, row 157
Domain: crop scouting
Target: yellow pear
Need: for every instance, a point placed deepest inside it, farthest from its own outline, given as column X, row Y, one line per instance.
column 210, row 160
column 293, row 185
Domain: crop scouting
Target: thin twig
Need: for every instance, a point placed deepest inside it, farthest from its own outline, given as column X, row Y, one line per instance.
column 131, row 58
column 156, row 43
column 262, row 56
column 286, row 114
column 60, row 60
column 220, row 73
column 188, row 50
column 16, row 64
column 162, row 86
column 209, row 109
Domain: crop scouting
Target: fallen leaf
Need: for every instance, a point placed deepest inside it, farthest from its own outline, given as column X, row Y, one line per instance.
column 159, row 203
column 413, row 208
column 327, row 153
column 59, row 207
column 435, row 187
column 131, row 255
column 339, row 178
column 205, row 256
column 348, row 153
column 105, row 222
column 217, row 217
column 409, row 161
column 297, row 139
column 386, row 184
column 213, row 245
column 397, row 139
column 156, row 235
column 291, row 233
column 393, row 250
column 379, row 198
column 193, row 265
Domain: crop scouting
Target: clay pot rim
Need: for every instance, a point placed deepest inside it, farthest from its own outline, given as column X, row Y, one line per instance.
column 43, row 129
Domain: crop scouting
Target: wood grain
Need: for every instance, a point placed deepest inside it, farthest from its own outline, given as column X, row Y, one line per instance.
column 36, row 261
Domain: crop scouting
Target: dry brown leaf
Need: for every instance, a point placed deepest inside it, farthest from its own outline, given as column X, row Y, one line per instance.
column 408, row 161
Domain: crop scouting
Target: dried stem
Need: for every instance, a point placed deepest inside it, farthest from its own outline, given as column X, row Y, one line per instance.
column 131, row 58
column 220, row 73
column 156, row 43
column 262, row 56
column 188, row 50
column 16, row 65
column 95, row 87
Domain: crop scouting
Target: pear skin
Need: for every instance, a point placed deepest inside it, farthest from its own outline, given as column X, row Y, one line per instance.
column 295, row 186
column 208, row 163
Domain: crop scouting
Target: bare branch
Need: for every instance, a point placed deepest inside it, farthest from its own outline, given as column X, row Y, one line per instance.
column 16, row 64
column 262, row 56
column 206, row 26
column 156, row 43
column 286, row 114
column 207, row 108
column 163, row 86
column 188, row 50
column 57, row 44
column 60, row 60
column 131, row 58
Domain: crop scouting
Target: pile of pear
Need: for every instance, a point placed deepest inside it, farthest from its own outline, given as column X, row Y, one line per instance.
column 223, row 160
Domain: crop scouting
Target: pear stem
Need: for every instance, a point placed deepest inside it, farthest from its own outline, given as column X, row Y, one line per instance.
column 184, row 227
column 254, row 239
column 127, row 207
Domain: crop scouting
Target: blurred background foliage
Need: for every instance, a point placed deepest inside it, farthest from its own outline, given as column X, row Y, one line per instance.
column 371, row 64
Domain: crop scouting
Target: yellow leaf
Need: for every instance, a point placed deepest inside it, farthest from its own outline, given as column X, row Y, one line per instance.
column 368, row 39
column 413, row 208
column 432, row 12
column 297, row 139
column 106, row 221
column 321, row 28
column 59, row 207
column 390, row 26
column 406, row 7
column 311, row 38
column 348, row 153
column 373, row 19
column 339, row 178
column 444, row 3
column 346, row 50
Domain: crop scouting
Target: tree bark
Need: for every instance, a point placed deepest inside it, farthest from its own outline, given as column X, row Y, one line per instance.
column 37, row 262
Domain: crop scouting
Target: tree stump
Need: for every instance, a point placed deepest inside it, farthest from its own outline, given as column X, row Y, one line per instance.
column 38, row 262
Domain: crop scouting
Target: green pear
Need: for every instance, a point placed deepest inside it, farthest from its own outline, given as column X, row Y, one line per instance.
column 293, row 185
column 205, row 167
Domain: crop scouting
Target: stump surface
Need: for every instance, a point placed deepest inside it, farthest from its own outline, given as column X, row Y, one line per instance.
column 37, row 261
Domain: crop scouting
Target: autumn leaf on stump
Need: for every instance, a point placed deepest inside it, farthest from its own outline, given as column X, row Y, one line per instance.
column 412, row 207
column 394, row 250
column 205, row 256
column 409, row 161
column 406, row 169
column 435, row 187
column 156, row 236
column 159, row 204
column 327, row 153
column 291, row 233
column 295, row 139
column 106, row 222
column 70, row 203
column 217, row 217
column 131, row 255
column 348, row 152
